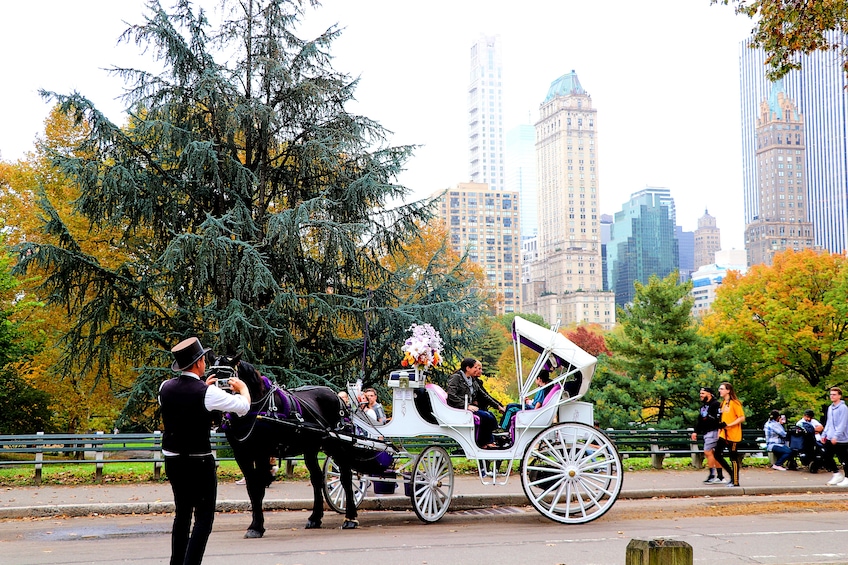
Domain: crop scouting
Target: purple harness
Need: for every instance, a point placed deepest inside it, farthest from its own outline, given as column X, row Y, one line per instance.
column 278, row 403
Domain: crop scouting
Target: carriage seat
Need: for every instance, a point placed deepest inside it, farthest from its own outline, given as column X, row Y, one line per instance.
column 448, row 415
column 541, row 417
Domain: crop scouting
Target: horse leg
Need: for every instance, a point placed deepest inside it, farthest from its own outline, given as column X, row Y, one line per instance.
column 255, row 478
column 346, row 477
column 316, row 477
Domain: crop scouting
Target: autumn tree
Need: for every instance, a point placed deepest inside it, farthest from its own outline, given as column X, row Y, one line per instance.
column 786, row 29
column 788, row 320
column 79, row 401
column 23, row 408
column 658, row 360
column 254, row 211
column 589, row 338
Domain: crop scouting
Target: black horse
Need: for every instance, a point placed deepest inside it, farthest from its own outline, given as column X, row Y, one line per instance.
column 284, row 423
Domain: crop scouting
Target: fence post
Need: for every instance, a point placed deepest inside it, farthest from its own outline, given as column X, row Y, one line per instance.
column 658, row 552
column 98, row 457
column 213, row 439
column 697, row 456
column 39, row 457
column 657, row 456
column 157, row 454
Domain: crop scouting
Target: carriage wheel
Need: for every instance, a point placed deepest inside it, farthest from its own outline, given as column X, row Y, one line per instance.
column 334, row 492
column 571, row 473
column 432, row 484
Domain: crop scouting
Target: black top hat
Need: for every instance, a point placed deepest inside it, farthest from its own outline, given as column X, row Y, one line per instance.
column 186, row 353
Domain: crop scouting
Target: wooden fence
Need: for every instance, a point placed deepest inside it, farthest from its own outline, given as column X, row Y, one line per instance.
column 99, row 449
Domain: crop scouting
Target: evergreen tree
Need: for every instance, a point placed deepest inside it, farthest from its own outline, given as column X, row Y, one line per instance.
column 658, row 361
column 255, row 213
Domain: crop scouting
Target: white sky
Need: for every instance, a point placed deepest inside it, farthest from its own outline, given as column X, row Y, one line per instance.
column 663, row 76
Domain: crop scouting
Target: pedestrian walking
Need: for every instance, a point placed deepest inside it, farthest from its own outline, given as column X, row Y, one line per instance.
column 730, row 433
column 707, row 426
column 834, row 438
column 187, row 402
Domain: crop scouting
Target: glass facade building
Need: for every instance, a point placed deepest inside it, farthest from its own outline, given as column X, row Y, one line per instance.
column 642, row 242
column 818, row 90
column 485, row 113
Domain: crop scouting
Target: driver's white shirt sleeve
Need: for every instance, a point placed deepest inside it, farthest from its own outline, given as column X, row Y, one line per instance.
column 217, row 399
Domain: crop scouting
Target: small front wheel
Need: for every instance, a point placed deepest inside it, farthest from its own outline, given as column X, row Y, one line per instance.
column 334, row 491
column 432, row 484
column 571, row 473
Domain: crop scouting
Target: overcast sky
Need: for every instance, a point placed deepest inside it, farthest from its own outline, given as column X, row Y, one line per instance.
column 663, row 76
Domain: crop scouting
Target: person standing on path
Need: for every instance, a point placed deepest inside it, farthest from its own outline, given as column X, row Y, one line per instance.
column 707, row 426
column 730, row 432
column 834, row 437
column 187, row 402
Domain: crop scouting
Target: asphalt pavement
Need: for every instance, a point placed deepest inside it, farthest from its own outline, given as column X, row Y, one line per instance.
column 469, row 492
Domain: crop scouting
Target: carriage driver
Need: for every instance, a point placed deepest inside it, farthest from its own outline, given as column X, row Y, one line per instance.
column 187, row 403
column 465, row 391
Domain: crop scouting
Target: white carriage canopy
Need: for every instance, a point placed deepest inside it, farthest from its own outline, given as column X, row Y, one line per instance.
column 569, row 365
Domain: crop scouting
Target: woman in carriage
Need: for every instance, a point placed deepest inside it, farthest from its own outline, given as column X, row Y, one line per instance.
column 543, row 380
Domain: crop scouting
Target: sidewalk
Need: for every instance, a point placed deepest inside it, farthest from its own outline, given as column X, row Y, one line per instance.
column 469, row 492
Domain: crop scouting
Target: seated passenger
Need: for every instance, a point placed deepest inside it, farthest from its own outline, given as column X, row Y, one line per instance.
column 465, row 391
column 542, row 379
column 374, row 406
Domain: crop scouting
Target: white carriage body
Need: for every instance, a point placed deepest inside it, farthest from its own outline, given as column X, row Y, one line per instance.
column 570, row 367
column 570, row 471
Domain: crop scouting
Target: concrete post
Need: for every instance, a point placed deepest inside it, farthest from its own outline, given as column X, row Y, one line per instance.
column 658, row 552
column 157, row 454
column 39, row 457
column 98, row 457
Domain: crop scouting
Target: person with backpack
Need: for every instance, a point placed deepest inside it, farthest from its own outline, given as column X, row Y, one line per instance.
column 709, row 417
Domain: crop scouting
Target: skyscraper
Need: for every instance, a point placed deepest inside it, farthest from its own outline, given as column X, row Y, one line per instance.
column 521, row 175
column 707, row 240
column 569, row 283
column 818, row 91
column 642, row 242
column 485, row 224
column 782, row 220
column 485, row 114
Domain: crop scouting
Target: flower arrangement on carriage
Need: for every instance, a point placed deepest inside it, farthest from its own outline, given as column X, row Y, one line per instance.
column 423, row 349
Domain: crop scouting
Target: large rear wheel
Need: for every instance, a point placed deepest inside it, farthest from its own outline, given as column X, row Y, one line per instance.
column 571, row 473
column 334, row 491
column 432, row 484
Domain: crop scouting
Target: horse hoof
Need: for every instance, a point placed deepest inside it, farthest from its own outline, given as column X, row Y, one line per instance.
column 310, row 525
column 253, row 534
column 350, row 524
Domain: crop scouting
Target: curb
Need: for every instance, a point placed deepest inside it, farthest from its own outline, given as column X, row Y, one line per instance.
column 388, row 502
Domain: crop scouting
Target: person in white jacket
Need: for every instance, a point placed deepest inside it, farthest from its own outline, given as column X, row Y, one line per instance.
column 834, row 437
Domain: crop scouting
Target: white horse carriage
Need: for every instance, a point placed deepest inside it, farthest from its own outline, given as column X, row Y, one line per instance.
column 570, row 471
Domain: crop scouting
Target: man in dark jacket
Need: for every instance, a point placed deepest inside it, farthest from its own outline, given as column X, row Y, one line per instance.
column 465, row 391
column 707, row 426
column 187, row 402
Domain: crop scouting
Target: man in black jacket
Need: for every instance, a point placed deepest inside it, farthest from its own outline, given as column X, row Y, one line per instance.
column 187, row 402
column 709, row 418
column 465, row 391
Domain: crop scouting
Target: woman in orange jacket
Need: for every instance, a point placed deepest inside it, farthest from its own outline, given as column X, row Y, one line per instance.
column 730, row 432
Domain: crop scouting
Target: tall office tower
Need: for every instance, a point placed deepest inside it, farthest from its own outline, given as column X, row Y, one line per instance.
column 686, row 251
column 707, row 240
column 818, row 90
column 485, row 114
column 782, row 220
column 642, row 242
column 485, row 223
column 521, row 175
column 569, row 284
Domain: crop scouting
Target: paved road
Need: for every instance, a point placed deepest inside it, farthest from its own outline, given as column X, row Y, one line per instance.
column 507, row 536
